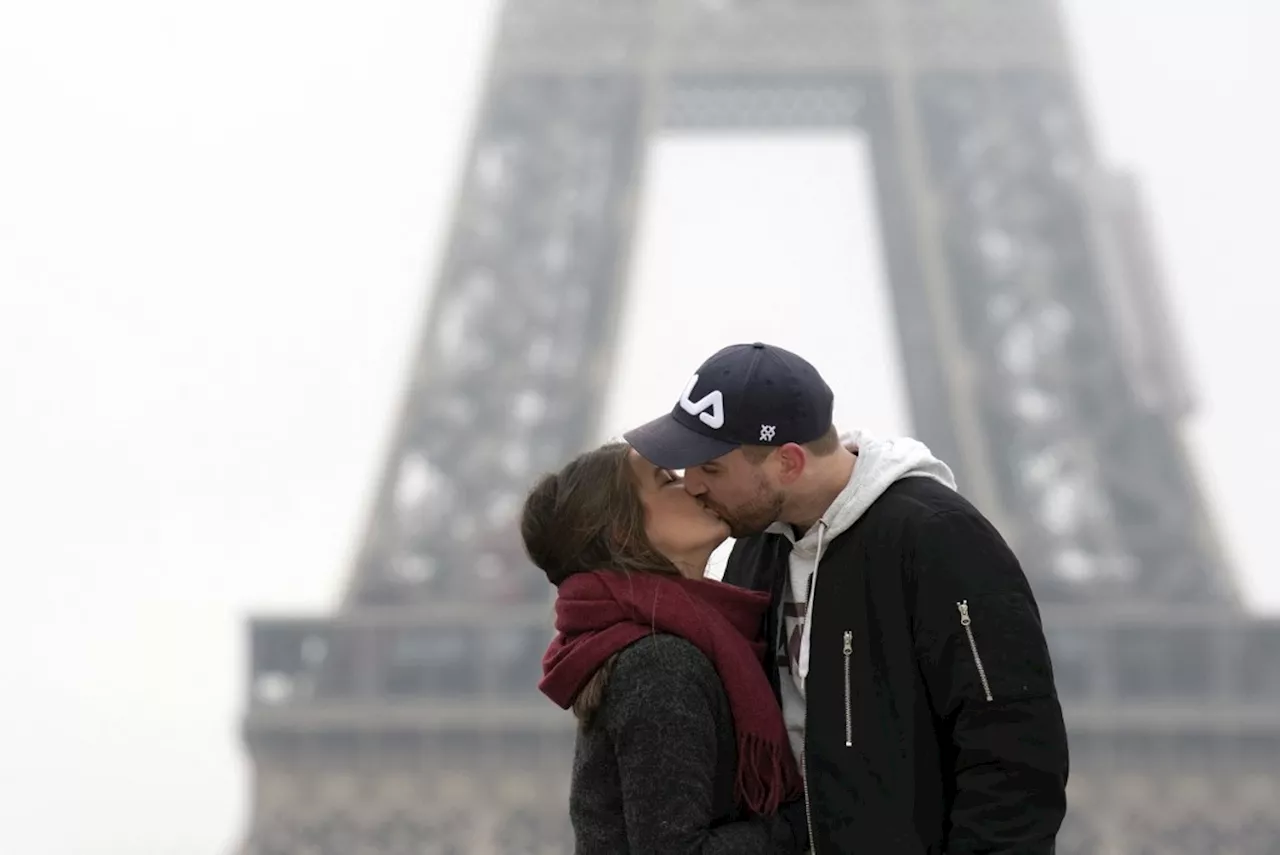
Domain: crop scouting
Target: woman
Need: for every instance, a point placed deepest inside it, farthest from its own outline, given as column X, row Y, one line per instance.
column 681, row 745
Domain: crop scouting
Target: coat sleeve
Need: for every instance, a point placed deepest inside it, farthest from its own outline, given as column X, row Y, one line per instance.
column 986, row 666
column 662, row 723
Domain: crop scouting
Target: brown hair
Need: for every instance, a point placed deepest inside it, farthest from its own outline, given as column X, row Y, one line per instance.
column 820, row 447
column 588, row 516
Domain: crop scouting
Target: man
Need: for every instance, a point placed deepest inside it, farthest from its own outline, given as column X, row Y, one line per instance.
column 910, row 661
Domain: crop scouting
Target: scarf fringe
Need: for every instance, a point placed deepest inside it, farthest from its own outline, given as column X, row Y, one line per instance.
column 767, row 775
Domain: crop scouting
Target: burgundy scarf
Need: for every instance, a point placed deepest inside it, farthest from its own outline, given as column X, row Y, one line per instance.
column 599, row 613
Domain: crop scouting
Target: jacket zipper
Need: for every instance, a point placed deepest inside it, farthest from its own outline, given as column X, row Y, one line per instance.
column 967, row 623
column 848, row 693
column 804, row 750
column 848, row 735
column 804, row 779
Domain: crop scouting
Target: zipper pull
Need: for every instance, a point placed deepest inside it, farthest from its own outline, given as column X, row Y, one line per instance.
column 848, row 643
column 963, row 606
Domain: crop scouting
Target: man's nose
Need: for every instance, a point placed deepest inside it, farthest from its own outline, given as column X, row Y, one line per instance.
column 693, row 484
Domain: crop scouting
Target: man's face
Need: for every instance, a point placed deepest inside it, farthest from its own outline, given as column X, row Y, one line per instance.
column 743, row 494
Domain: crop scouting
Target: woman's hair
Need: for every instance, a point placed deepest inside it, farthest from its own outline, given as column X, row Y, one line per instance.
column 588, row 516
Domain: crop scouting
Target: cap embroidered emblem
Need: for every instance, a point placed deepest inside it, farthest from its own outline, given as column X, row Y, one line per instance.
column 767, row 432
column 712, row 401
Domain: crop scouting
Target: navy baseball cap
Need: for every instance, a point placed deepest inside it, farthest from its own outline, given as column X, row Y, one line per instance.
column 745, row 394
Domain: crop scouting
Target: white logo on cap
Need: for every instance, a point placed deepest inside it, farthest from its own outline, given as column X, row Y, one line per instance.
column 711, row 401
column 767, row 432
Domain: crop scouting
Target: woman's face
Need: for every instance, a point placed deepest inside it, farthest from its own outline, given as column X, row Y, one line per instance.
column 676, row 524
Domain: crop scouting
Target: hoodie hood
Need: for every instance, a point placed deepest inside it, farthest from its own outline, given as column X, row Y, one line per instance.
column 881, row 463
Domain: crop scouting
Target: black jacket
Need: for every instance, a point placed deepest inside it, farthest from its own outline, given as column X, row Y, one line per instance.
column 919, row 739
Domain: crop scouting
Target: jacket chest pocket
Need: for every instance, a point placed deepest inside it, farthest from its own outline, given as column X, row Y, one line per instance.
column 1000, row 648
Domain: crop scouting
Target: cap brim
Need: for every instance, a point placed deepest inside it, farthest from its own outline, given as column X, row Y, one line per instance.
column 666, row 443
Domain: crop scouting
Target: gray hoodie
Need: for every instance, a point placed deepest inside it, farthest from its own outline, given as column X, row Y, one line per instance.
column 881, row 462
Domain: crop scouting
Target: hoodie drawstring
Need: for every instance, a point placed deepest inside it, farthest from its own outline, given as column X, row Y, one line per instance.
column 813, row 577
column 817, row 553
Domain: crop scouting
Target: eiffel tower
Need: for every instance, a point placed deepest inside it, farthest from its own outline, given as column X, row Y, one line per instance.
column 1039, row 363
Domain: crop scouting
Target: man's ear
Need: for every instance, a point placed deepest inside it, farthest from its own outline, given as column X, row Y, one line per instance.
column 791, row 462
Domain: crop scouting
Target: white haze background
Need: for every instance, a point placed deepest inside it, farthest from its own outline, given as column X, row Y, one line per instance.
column 218, row 224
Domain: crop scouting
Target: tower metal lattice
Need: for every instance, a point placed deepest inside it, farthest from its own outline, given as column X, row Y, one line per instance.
column 1039, row 361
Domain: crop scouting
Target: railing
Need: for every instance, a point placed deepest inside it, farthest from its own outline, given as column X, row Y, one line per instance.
column 387, row 657
column 1165, row 657
column 459, row 658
